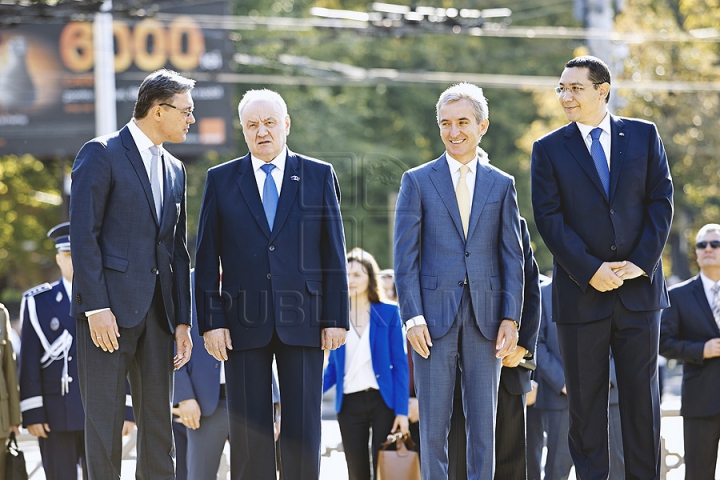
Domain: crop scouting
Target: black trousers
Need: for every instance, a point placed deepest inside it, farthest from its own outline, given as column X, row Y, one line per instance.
column 145, row 357
column 61, row 454
column 362, row 412
column 701, row 437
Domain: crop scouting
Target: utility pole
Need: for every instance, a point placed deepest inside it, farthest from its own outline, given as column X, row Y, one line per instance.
column 599, row 15
column 104, row 72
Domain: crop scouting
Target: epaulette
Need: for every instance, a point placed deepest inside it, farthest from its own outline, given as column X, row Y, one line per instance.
column 39, row 289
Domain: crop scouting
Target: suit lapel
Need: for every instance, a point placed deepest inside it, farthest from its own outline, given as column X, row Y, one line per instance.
column 442, row 181
column 618, row 144
column 702, row 302
column 483, row 186
column 133, row 155
column 290, row 186
column 578, row 149
column 249, row 191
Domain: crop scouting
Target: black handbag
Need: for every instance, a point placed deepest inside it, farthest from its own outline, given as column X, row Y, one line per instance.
column 15, row 468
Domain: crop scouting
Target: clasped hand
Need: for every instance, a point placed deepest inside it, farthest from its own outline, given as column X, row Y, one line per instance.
column 612, row 275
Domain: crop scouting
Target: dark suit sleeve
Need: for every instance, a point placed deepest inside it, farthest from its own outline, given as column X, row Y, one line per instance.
column 91, row 184
column 564, row 243
column 408, row 229
column 181, row 263
column 658, row 197
column 336, row 303
column 672, row 343
column 398, row 359
column 210, row 314
column 530, row 325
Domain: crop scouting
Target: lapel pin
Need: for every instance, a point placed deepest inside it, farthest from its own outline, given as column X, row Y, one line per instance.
column 295, row 178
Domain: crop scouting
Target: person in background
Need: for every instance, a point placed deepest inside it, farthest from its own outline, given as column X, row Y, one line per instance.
column 690, row 332
column 387, row 285
column 49, row 391
column 370, row 370
column 10, row 418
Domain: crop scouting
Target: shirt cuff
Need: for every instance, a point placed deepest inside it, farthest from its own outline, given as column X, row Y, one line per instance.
column 414, row 322
column 93, row 312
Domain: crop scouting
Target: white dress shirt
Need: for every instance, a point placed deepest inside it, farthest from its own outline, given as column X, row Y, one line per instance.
column 604, row 136
column 359, row 373
column 276, row 173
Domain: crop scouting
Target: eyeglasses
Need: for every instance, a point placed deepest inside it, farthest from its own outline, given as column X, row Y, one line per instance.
column 703, row 245
column 187, row 113
column 575, row 89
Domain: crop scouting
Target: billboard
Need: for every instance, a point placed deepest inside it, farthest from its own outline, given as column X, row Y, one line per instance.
column 47, row 97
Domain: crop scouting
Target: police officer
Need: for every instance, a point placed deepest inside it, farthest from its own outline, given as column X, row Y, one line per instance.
column 49, row 390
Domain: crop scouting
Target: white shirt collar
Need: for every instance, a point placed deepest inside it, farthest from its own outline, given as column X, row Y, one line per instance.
column 604, row 125
column 68, row 287
column 142, row 141
column 278, row 161
column 455, row 165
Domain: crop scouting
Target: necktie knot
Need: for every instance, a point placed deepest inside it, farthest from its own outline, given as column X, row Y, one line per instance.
column 715, row 288
column 155, row 150
column 595, row 133
column 267, row 168
column 464, row 171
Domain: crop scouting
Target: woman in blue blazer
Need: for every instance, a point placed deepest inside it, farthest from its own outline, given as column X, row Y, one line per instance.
column 370, row 370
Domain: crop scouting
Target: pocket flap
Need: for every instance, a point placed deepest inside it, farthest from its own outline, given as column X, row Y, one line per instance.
column 314, row 287
column 115, row 263
column 428, row 281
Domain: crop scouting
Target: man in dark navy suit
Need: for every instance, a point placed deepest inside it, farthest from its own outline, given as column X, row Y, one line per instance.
column 602, row 198
column 49, row 389
column 131, row 287
column 690, row 333
column 271, row 221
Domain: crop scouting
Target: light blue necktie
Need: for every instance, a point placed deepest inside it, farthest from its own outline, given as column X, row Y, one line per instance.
column 155, row 180
column 270, row 195
column 598, row 156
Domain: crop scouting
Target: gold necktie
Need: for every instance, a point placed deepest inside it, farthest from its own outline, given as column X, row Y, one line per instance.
column 463, row 198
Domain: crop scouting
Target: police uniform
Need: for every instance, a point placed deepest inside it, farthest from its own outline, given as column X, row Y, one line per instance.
column 49, row 387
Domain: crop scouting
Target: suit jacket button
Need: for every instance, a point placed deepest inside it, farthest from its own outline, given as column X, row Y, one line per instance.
column 467, row 254
column 613, row 247
column 461, row 283
column 269, row 276
column 154, row 271
column 271, row 248
column 612, row 212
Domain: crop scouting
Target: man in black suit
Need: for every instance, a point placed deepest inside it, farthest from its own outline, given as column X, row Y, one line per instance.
column 602, row 198
column 131, row 287
column 690, row 333
column 271, row 220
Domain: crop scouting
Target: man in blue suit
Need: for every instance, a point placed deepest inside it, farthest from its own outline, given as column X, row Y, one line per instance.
column 271, row 220
column 201, row 396
column 690, row 332
column 49, row 391
column 131, row 287
column 459, row 276
column 602, row 198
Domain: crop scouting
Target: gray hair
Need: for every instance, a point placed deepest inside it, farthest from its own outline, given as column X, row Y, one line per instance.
column 710, row 227
column 264, row 94
column 467, row 91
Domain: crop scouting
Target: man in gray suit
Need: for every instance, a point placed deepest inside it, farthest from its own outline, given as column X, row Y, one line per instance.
column 131, row 288
column 459, row 276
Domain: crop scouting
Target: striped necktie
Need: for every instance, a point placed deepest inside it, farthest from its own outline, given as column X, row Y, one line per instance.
column 716, row 303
